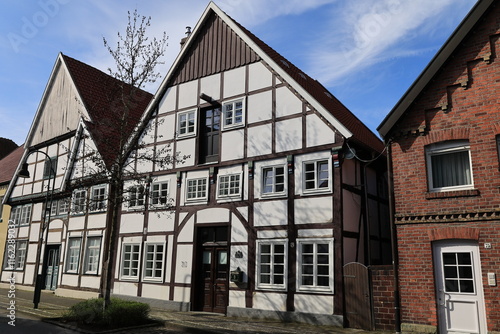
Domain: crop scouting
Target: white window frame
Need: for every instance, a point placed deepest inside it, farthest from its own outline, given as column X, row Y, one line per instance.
column 21, row 215
column 73, row 255
column 154, row 261
column 159, row 197
column 232, row 191
column 50, row 168
column 63, row 206
column 92, row 255
column 180, row 127
column 98, row 198
column 317, row 188
column 225, row 117
column 196, row 198
column 263, row 181
column 128, row 276
column 315, row 287
column 272, row 243
column 79, row 201
column 135, row 200
column 446, row 148
column 21, row 251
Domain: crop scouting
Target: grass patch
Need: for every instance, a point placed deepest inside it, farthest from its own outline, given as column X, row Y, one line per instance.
column 120, row 313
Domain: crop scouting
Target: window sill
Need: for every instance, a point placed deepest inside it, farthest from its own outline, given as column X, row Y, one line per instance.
column 452, row 193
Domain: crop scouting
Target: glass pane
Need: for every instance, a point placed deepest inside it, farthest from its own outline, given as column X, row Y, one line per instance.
column 449, row 258
column 307, row 280
column 279, row 249
column 323, row 270
column 307, row 269
column 265, row 258
column 307, row 259
column 465, row 272
column 265, row 269
column 207, row 258
column 307, row 248
column 279, row 269
column 265, row 279
column 451, row 285
column 450, row 272
column 265, row 249
column 223, row 257
column 467, row 286
column 323, row 281
column 278, row 279
column 323, row 259
column 464, row 258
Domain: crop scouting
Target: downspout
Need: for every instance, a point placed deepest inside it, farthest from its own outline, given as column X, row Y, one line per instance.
column 395, row 259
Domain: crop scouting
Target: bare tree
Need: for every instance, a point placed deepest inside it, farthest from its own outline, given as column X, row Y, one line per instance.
column 115, row 119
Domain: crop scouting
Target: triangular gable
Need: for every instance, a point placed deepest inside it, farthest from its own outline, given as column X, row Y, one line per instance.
column 249, row 48
column 216, row 48
column 60, row 109
column 446, row 51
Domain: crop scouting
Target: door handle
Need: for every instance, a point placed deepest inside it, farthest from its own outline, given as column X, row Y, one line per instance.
column 442, row 298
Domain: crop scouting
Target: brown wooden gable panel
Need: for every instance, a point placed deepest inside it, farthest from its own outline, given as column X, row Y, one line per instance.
column 217, row 48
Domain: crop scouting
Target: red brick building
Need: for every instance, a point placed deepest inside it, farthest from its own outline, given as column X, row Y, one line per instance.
column 444, row 140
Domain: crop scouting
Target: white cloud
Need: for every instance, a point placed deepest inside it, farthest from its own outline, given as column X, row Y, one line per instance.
column 363, row 31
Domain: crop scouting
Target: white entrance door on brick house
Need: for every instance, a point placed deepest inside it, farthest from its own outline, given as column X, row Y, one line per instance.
column 459, row 287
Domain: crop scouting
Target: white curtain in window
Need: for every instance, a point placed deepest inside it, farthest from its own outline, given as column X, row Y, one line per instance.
column 451, row 169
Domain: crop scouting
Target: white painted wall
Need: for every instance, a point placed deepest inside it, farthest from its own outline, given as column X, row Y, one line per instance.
column 168, row 100
column 232, row 145
column 287, row 103
column 314, row 210
column 260, row 107
column 317, row 132
column 211, row 86
column 269, row 301
column 310, row 303
column 184, row 264
column 259, row 76
column 234, row 82
column 155, row 291
column 270, row 213
column 188, row 94
column 289, row 135
column 259, row 140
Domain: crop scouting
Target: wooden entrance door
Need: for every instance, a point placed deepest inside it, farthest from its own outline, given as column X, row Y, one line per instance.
column 51, row 267
column 358, row 301
column 459, row 287
column 212, row 283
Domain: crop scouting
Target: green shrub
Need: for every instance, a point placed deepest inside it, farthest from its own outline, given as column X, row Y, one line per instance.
column 120, row 313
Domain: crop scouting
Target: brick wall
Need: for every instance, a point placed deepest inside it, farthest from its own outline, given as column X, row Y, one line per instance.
column 461, row 102
column 383, row 297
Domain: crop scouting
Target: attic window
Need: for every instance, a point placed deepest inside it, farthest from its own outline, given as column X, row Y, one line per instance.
column 285, row 63
column 329, row 95
column 302, row 75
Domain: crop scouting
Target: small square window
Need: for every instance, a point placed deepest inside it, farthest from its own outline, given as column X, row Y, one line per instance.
column 233, row 114
column 196, row 189
column 229, row 186
column 273, row 180
column 316, row 175
column 186, row 123
column 50, row 168
column 136, row 198
column 449, row 166
column 159, row 194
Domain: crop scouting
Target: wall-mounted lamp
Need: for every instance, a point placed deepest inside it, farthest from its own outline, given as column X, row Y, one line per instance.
column 289, row 161
column 178, row 174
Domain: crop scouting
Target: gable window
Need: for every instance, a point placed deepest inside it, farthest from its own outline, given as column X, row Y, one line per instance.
column 315, row 264
column 196, row 189
column 271, row 264
column 273, row 180
column 79, row 201
column 136, row 196
column 98, row 198
column 316, row 175
column 449, row 166
column 130, row 261
column 153, row 261
column 92, row 253
column 229, row 186
column 73, row 257
column 159, row 193
column 233, row 113
column 50, row 168
column 186, row 123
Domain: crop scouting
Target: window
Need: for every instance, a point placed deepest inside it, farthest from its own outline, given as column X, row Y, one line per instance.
column 273, row 180
column 92, row 255
column 229, row 186
column 136, row 196
column 186, row 123
column 159, row 193
column 98, row 200
column 210, row 120
column 21, row 215
column 79, row 201
column 316, row 175
column 233, row 113
column 153, row 261
column 73, row 257
column 458, row 272
column 196, row 189
column 50, row 168
column 15, row 255
column 315, row 264
column 63, row 206
column 449, row 166
column 130, row 261
column 271, row 264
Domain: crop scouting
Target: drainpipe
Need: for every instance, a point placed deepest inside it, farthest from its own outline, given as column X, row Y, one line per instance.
column 394, row 244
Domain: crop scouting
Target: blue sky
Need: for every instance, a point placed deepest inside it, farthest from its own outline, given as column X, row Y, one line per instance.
column 366, row 52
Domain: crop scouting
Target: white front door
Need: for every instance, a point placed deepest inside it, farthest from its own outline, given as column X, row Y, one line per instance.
column 459, row 287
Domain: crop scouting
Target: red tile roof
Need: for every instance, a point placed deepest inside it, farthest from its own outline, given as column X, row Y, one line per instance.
column 107, row 101
column 9, row 164
column 360, row 131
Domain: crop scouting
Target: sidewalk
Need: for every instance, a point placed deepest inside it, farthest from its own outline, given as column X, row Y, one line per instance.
column 52, row 306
